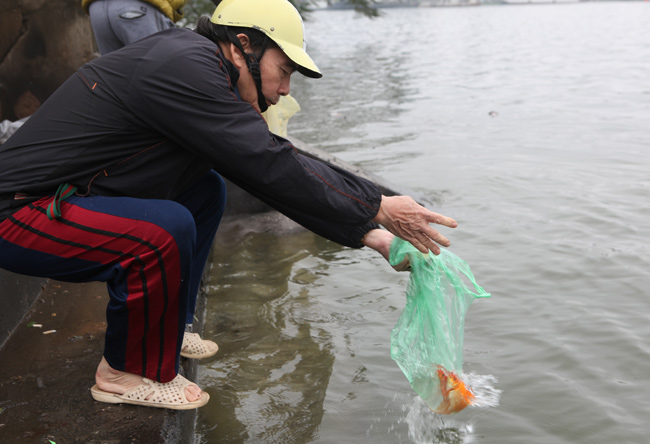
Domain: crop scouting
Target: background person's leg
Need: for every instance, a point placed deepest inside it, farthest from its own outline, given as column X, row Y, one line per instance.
column 133, row 20
column 105, row 37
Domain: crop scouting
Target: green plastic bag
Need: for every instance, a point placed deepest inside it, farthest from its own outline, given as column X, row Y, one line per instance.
column 427, row 341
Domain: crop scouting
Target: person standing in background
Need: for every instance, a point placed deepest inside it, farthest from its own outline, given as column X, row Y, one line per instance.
column 116, row 23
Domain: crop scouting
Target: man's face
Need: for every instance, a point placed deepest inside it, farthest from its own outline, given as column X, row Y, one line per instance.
column 275, row 69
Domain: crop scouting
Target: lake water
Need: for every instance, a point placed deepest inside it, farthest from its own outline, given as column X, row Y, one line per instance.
column 528, row 124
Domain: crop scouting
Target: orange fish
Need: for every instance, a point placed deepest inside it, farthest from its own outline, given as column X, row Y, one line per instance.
column 455, row 394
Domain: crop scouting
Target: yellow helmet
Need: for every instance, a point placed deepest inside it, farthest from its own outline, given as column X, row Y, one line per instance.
column 278, row 19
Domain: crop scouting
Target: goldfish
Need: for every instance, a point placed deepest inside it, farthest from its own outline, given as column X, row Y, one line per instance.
column 455, row 394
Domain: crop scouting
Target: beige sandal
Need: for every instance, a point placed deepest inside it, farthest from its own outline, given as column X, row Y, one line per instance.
column 169, row 395
column 196, row 348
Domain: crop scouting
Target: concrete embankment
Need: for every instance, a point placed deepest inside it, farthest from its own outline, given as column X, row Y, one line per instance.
column 17, row 293
column 48, row 366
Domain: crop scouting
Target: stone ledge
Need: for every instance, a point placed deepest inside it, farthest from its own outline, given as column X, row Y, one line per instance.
column 17, row 294
column 45, row 379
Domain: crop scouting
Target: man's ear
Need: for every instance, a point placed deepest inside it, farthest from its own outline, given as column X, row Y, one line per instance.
column 244, row 40
column 237, row 56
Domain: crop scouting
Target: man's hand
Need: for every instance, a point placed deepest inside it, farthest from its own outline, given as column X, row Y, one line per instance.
column 380, row 240
column 407, row 219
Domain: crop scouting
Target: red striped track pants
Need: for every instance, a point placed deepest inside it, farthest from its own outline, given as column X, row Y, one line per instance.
column 150, row 252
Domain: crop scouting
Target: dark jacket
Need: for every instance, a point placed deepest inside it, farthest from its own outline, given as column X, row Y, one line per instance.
column 150, row 119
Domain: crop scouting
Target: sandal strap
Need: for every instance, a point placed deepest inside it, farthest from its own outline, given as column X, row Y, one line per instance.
column 172, row 392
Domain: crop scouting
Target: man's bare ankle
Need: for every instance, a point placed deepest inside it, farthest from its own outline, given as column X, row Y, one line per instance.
column 115, row 381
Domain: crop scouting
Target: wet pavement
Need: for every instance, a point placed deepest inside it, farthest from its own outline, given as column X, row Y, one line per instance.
column 46, row 373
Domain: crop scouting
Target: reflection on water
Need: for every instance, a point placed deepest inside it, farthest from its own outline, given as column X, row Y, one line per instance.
column 272, row 371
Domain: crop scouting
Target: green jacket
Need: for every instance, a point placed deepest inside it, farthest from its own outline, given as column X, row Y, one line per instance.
column 171, row 8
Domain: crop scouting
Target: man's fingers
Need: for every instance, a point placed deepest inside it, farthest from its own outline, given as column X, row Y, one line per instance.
column 426, row 239
column 436, row 236
column 424, row 243
column 435, row 249
column 442, row 220
column 413, row 239
column 432, row 246
column 405, row 218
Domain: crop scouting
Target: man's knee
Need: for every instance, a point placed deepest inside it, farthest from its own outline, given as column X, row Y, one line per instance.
column 207, row 196
column 178, row 223
column 217, row 187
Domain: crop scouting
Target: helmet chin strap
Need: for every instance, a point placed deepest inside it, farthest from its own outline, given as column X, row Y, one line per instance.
column 253, row 64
